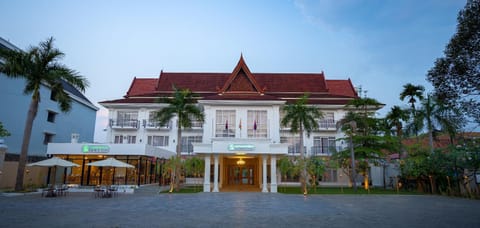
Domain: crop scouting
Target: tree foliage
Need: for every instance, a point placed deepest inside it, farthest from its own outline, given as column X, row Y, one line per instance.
column 3, row 131
column 301, row 118
column 456, row 76
column 182, row 105
column 315, row 168
column 369, row 137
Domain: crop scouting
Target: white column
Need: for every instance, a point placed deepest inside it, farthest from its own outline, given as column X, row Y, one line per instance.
column 215, row 174
column 264, row 170
column 206, row 176
column 273, row 173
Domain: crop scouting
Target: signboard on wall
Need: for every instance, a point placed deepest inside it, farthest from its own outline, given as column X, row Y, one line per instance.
column 95, row 149
column 241, row 147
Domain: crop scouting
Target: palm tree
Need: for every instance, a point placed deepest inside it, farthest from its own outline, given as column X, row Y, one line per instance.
column 434, row 114
column 413, row 92
column 301, row 117
column 39, row 66
column 182, row 105
column 396, row 117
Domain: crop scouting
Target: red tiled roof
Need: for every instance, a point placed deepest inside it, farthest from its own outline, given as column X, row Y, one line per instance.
column 141, row 85
column 341, row 87
column 272, row 86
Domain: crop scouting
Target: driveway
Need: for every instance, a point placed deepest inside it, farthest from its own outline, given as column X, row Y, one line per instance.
column 238, row 210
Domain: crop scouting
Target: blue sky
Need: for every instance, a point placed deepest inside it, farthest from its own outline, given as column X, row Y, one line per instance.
column 379, row 44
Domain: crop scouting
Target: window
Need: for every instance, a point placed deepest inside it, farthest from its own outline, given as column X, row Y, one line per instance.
column 154, row 123
column 293, row 141
column 47, row 138
column 118, row 139
column 196, row 123
column 53, row 95
column 257, row 124
column 187, row 141
column 131, row 139
column 327, row 121
column 323, row 145
column 158, row 140
column 127, row 119
column 51, row 116
column 225, row 123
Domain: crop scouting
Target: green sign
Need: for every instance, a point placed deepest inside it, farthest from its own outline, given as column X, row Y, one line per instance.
column 95, row 149
column 241, row 147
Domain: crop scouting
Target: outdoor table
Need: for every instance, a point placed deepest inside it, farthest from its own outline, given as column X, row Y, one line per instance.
column 49, row 192
column 99, row 192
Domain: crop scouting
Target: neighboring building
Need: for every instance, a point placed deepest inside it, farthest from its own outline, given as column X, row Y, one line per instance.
column 50, row 125
column 241, row 137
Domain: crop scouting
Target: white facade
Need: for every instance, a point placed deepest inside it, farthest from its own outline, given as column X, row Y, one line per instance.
column 241, row 136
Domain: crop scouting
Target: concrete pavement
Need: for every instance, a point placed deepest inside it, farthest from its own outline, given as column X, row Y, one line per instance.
column 149, row 209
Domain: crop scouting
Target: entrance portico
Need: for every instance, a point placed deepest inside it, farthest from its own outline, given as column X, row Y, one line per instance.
column 240, row 164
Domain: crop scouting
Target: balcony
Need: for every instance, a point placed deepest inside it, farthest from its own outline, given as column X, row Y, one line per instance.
column 196, row 125
column 127, row 124
column 327, row 126
column 155, row 125
column 187, row 150
column 295, row 150
column 320, row 150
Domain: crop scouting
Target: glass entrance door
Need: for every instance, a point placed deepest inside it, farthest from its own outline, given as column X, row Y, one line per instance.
column 241, row 175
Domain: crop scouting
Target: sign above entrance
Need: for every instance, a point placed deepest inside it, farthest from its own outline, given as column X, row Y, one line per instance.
column 241, row 147
column 95, row 149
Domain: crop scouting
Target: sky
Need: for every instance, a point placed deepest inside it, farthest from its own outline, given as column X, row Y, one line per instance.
column 380, row 45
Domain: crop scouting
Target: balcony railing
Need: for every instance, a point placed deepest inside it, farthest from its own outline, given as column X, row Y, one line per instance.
column 321, row 150
column 153, row 124
column 295, row 150
column 124, row 123
column 188, row 150
column 196, row 125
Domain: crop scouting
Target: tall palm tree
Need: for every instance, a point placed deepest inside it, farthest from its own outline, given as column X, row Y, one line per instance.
column 39, row 66
column 413, row 92
column 435, row 115
column 396, row 117
column 301, row 118
column 182, row 105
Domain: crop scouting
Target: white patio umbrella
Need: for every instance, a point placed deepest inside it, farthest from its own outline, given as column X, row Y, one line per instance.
column 111, row 162
column 54, row 162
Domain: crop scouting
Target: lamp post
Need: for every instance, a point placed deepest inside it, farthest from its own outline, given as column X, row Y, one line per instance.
column 353, row 125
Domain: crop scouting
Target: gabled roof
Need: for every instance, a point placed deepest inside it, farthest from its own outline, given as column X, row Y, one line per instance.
column 242, row 84
column 241, row 80
column 141, row 85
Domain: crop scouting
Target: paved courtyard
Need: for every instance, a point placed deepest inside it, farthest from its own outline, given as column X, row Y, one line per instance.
column 238, row 210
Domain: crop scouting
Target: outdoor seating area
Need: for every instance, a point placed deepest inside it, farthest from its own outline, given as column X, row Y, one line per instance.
column 105, row 191
column 54, row 191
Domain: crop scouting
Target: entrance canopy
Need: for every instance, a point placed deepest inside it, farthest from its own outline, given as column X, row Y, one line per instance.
column 241, row 146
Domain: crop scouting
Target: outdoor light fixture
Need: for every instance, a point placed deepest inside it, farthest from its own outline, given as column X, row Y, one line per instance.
column 241, row 162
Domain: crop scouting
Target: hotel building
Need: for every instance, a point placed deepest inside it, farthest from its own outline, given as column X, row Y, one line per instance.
column 241, row 138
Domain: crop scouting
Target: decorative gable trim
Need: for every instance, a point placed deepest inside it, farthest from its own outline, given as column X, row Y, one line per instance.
column 241, row 81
